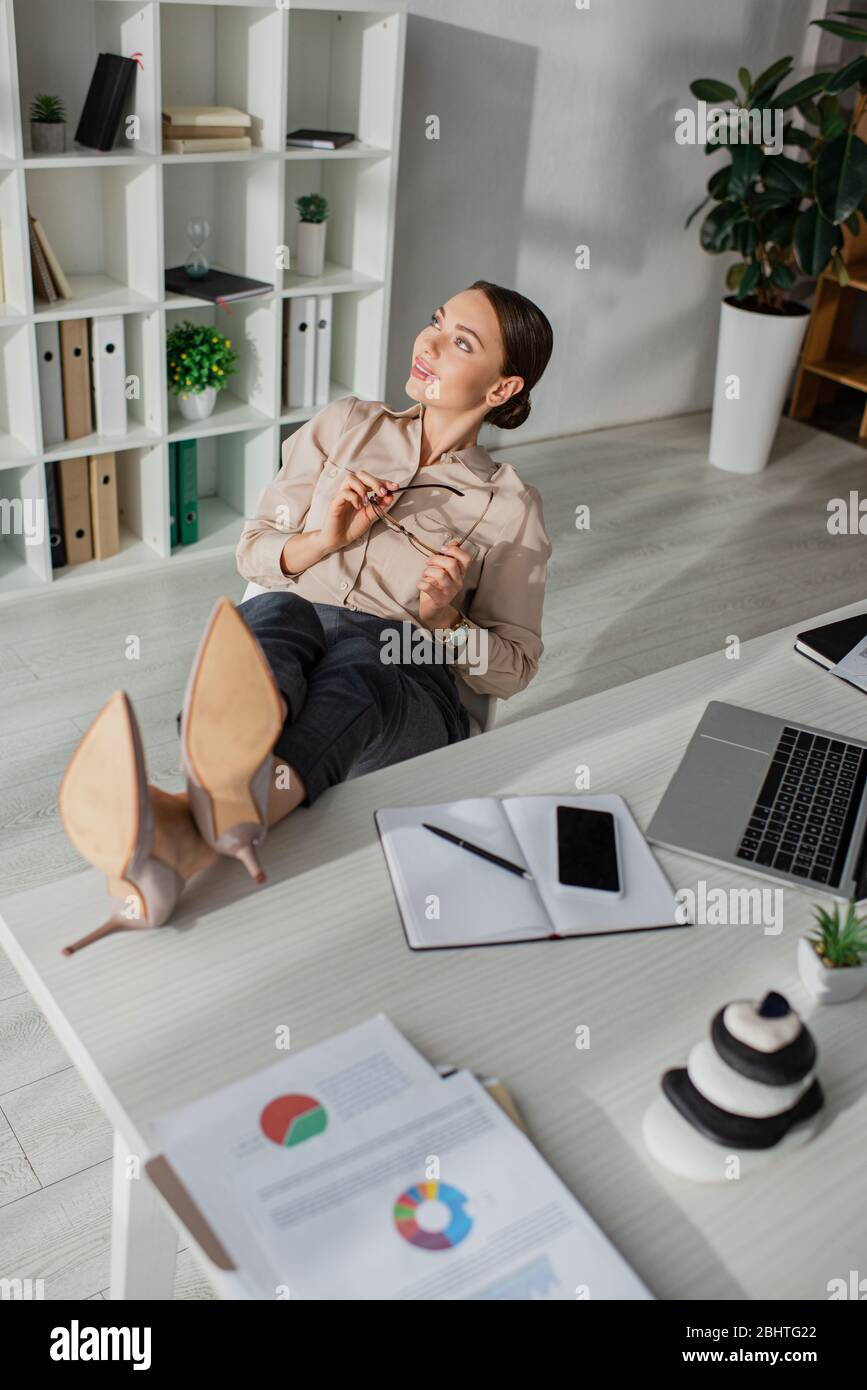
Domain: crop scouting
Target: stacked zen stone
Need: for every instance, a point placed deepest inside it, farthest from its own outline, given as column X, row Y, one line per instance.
column 747, row 1092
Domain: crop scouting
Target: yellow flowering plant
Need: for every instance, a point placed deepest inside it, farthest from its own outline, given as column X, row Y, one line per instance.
column 198, row 356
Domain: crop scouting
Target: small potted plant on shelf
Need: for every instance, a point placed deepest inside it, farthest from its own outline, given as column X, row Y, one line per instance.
column 779, row 215
column 199, row 362
column 833, row 961
column 313, row 210
column 47, row 124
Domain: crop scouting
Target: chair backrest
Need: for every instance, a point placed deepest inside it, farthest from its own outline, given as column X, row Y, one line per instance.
column 482, row 709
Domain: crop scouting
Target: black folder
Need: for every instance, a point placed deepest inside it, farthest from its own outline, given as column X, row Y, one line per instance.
column 104, row 103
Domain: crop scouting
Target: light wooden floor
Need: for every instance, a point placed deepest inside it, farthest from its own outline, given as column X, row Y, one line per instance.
column 678, row 558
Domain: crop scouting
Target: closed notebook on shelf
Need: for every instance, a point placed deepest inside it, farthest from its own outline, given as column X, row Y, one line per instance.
column 75, row 368
column 102, row 470
column 60, row 282
column 55, row 516
column 43, row 285
column 448, row 897
column 209, row 145
column 188, row 492
column 74, row 487
column 50, row 383
column 216, row 285
column 104, row 104
column 203, row 117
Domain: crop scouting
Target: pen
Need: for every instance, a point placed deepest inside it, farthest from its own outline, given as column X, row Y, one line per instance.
column 482, row 853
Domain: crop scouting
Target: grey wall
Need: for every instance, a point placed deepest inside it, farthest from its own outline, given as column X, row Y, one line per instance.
column 557, row 128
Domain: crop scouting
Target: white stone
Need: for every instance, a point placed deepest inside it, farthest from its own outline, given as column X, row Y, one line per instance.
column 745, row 1023
column 675, row 1145
column 723, row 1086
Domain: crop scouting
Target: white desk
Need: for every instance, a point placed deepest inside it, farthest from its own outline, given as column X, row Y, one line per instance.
column 158, row 1019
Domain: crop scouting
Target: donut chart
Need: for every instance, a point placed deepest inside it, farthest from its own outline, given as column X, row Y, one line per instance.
column 407, row 1210
column 290, row 1120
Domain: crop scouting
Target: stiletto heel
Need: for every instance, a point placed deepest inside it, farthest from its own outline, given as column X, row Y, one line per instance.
column 105, row 806
column 232, row 717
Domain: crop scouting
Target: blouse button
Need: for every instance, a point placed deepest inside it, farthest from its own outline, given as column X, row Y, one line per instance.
column 344, row 585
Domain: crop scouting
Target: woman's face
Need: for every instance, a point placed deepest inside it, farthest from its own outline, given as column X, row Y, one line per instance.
column 457, row 357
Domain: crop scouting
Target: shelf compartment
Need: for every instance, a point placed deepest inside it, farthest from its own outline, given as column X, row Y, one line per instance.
column 846, row 368
column 250, row 398
column 25, row 549
column 354, row 242
column 142, row 497
column 19, row 434
column 233, row 470
column 226, row 55
column 239, row 201
column 101, row 223
column 58, row 44
column 343, row 73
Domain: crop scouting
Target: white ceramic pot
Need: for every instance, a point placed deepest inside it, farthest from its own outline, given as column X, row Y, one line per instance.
column 828, row 986
column 311, row 248
column 48, row 137
column 198, row 405
column 756, row 354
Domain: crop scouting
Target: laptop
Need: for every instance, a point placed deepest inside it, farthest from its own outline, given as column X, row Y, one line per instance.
column 770, row 796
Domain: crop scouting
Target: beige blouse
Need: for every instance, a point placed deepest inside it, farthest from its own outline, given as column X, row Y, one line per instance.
column 499, row 516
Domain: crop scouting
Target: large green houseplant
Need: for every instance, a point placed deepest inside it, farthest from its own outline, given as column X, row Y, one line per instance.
column 780, row 215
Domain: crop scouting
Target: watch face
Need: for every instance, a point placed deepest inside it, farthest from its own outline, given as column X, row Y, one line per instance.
column 459, row 635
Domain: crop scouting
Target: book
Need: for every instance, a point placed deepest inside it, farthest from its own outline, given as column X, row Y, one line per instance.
column 309, row 139
column 199, row 116
column 55, row 270
column 197, row 132
column 188, row 492
column 206, row 146
column 55, row 516
column 102, row 473
column 106, row 97
column 173, row 494
column 43, row 285
column 75, row 369
column 216, row 285
column 312, row 1177
column 75, row 505
column 478, row 903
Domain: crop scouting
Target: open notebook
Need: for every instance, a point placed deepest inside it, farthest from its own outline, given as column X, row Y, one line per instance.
column 449, row 897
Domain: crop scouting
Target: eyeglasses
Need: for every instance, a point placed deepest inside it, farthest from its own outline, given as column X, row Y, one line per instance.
column 396, row 526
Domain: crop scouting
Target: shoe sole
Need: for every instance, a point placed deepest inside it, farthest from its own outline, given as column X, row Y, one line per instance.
column 234, row 714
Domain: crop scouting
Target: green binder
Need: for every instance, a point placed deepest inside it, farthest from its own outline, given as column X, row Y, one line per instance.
column 188, row 492
column 173, row 494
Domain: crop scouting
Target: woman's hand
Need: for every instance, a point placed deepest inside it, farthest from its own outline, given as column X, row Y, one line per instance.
column 350, row 515
column 441, row 581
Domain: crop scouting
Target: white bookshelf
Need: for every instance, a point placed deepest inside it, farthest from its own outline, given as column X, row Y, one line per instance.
column 116, row 221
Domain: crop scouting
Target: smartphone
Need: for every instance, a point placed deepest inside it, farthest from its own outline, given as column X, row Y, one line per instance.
column 587, row 850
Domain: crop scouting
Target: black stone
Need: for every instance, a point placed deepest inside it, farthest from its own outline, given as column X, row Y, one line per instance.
column 774, row 1006
column 736, row 1131
column 781, row 1068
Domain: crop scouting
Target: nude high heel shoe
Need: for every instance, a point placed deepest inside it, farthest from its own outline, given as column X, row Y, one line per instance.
column 232, row 717
column 106, row 809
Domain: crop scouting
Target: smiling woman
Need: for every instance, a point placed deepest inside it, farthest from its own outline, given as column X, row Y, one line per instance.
column 381, row 524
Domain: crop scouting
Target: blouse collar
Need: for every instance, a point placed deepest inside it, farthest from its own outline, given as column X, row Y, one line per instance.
column 475, row 457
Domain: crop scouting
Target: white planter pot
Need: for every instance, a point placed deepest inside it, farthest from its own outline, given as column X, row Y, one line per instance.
column 48, row 137
column 198, row 405
column 311, row 248
column 826, row 985
column 755, row 357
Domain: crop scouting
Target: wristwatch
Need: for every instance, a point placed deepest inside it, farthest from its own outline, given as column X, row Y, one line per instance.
column 457, row 634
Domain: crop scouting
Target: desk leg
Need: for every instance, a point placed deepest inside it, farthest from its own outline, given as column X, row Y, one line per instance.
column 144, row 1241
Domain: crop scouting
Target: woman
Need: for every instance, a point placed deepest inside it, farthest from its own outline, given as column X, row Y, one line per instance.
column 400, row 560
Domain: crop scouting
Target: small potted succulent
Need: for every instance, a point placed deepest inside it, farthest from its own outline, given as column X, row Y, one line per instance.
column 199, row 362
column 833, row 961
column 313, row 210
column 47, row 124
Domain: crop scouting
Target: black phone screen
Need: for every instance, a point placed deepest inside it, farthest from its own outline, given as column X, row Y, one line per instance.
column 587, row 849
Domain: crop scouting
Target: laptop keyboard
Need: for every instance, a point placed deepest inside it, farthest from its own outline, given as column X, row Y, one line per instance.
column 804, row 814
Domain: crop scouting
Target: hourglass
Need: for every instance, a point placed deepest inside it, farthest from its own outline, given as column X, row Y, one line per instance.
column 197, row 264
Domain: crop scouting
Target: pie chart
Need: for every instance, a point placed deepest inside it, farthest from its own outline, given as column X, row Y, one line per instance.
column 410, row 1216
column 291, row 1120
